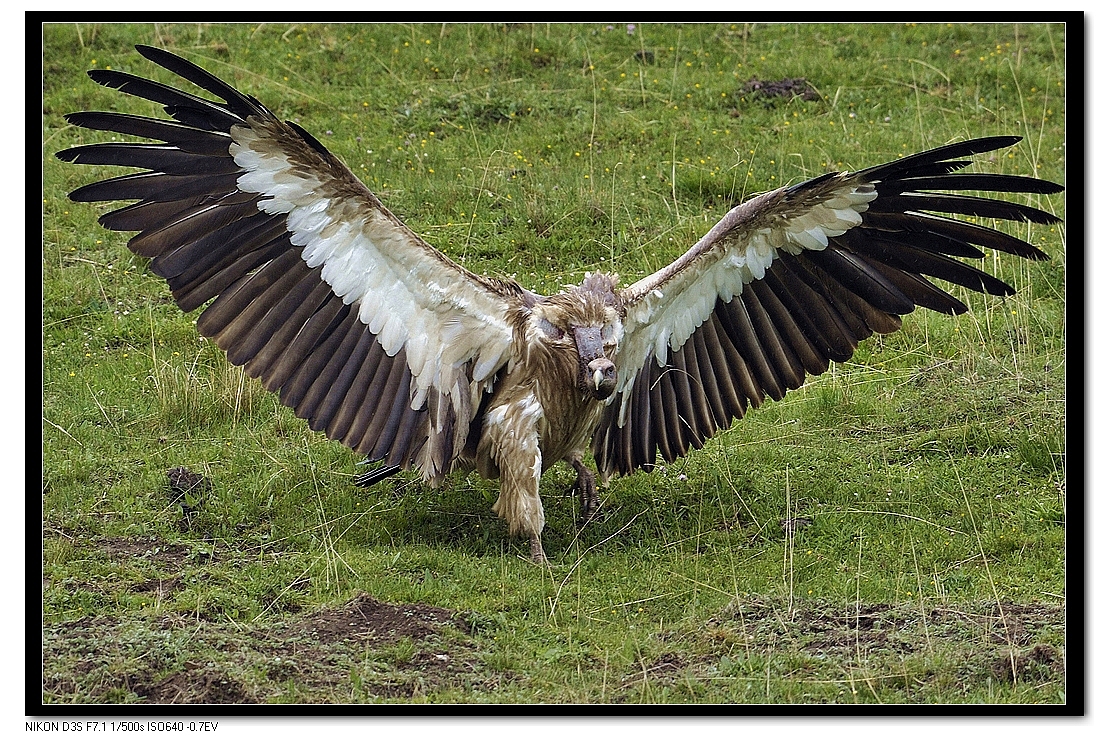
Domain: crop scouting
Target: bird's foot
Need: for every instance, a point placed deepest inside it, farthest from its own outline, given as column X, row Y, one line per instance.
column 586, row 487
column 537, row 554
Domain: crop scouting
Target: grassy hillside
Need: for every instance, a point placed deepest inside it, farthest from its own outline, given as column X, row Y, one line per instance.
column 894, row 531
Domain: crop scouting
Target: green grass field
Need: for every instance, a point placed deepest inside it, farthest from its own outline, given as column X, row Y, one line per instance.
column 894, row 531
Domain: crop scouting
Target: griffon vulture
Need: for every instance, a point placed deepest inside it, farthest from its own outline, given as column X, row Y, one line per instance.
column 391, row 348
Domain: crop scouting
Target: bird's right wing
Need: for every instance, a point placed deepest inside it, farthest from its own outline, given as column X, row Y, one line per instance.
column 791, row 280
column 364, row 329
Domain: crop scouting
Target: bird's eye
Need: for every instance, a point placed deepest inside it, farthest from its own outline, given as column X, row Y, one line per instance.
column 550, row 329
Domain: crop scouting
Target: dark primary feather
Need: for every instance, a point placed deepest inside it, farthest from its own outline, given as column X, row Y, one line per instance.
column 941, row 156
column 238, row 103
column 165, row 158
column 186, row 138
column 154, row 187
column 1011, row 183
column 189, row 109
column 960, row 205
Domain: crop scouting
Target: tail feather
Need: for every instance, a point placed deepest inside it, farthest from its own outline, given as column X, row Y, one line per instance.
column 373, row 476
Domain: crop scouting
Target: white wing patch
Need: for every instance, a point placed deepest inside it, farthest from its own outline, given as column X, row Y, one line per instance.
column 667, row 313
column 406, row 296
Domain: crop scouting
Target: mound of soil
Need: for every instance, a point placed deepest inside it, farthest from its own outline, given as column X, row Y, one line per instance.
column 787, row 88
column 367, row 619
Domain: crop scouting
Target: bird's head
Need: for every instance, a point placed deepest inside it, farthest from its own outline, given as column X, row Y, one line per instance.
column 582, row 323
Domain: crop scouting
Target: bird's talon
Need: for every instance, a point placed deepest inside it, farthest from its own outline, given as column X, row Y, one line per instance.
column 586, row 487
column 538, row 556
column 588, row 502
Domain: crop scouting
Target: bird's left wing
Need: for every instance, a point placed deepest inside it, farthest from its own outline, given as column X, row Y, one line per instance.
column 792, row 279
column 367, row 331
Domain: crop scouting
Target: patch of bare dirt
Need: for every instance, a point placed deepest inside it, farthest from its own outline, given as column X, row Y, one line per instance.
column 1001, row 641
column 162, row 587
column 193, row 686
column 162, row 561
column 153, row 549
column 768, row 91
column 367, row 619
column 1037, row 664
column 666, row 664
column 816, row 628
column 336, row 654
column 1008, row 623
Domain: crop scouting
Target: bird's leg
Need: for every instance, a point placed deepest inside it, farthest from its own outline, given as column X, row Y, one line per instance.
column 511, row 442
column 586, row 487
column 519, row 504
column 538, row 556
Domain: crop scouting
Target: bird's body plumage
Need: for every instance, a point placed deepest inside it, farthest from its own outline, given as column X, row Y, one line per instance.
column 388, row 346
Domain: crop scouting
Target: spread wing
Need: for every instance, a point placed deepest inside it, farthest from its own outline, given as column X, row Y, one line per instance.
column 791, row 280
column 363, row 328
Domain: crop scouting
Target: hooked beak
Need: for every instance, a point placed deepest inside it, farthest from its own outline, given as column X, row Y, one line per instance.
column 598, row 374
column 603, row 374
